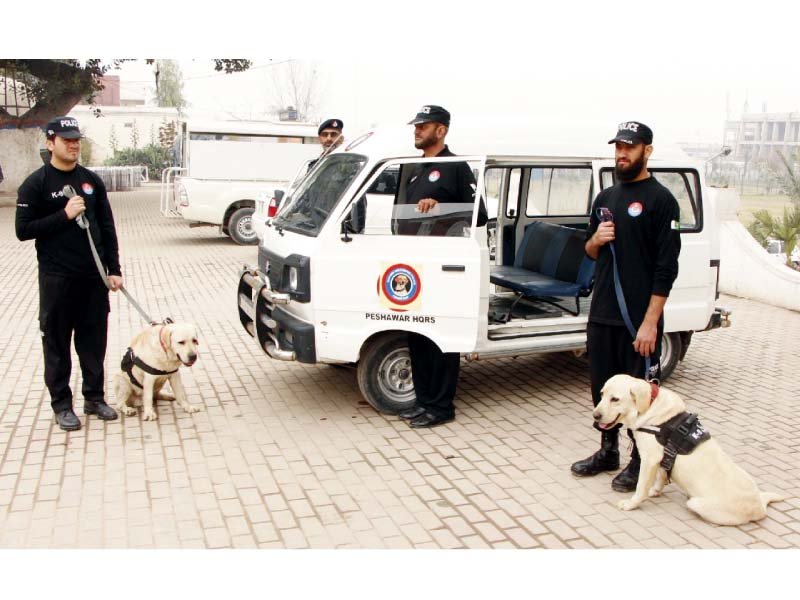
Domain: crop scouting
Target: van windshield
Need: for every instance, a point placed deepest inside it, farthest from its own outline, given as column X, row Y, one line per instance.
column 311, row 204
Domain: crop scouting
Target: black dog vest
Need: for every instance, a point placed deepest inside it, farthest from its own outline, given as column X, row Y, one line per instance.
column 682, row 434
column 130, row 360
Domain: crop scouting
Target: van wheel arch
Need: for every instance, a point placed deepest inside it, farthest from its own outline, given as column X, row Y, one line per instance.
column 384, row 372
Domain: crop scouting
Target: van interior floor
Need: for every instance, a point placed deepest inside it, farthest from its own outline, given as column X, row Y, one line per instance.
column 527, row 309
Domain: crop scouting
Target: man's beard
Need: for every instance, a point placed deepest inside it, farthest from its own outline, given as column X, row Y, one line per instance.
column 630, row 172
column 425, row 142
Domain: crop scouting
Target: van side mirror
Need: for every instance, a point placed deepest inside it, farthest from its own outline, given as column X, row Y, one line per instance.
column 356, row 220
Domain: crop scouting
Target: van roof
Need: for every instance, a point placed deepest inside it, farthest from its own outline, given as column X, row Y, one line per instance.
column 396, row 141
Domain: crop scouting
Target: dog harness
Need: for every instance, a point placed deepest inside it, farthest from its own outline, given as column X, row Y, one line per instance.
column 130, row 360
column 682, row 434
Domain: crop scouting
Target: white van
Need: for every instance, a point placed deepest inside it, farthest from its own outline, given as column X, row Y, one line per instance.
column 226, row 164
column 330, row 289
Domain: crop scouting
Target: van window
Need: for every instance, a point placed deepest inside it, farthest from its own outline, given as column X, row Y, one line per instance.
column 390, row 204
column 554, row 191
column 312, row 202
column 684, row 185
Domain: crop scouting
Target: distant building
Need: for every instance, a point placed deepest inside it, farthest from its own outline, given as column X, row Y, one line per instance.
column 757, row 137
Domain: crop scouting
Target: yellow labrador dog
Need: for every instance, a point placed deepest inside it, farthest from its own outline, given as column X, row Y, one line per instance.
column 719, row 491
column 154, row 358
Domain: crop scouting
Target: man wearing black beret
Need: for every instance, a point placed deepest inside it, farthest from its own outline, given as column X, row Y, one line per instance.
column 330, row 136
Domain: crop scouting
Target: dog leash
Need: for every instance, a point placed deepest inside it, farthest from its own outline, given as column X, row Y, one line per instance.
column 69, row 192
column 605, row 216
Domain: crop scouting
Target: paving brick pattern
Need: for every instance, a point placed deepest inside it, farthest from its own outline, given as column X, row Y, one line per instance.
column 286, row 455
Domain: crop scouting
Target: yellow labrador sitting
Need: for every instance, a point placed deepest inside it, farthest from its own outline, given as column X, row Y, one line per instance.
column 719, row 491
column 154, row 357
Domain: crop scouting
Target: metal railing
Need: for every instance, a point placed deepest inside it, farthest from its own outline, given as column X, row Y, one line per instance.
column 122, row 179
column 168, row 204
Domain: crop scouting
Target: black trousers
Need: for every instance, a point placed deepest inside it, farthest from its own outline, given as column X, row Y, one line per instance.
column 610, row 351
column 67, row 305
column 435, row 375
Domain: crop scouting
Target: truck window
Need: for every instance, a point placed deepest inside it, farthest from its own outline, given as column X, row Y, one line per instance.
column 555, row 191
column 684, row 185
column 311, row 204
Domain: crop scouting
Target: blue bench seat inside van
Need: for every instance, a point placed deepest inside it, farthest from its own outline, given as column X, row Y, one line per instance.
column 550, row 262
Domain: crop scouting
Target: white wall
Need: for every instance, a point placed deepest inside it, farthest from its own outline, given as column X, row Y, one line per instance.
column 746, row 269
column 19, row 155
column 98, row 129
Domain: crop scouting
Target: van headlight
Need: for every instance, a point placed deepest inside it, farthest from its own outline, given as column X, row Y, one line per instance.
column 293, row 279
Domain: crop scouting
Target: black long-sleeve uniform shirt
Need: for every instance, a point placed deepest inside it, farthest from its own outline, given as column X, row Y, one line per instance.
column 647, row 242
column 62, row 246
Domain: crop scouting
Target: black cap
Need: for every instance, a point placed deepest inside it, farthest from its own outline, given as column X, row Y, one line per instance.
column 633, row 132
column 331, row 124
column 65, row 127
column 431, row 112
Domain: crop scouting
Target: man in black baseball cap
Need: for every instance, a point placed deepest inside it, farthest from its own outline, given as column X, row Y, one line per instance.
column 634, row 235
column 54, row 204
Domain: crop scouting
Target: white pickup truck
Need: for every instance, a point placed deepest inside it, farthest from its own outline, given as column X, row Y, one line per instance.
column 330, row 289
column 225, row 166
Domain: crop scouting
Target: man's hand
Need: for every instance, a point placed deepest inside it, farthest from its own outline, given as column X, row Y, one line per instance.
column 645, row 342
column 426, row 204
column 115, row 282
column 604, row 233
column 74, row 207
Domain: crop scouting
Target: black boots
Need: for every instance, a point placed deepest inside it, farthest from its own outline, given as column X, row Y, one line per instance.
column 68, row 420
column 605, row 459
column 628, row 477
column 99, row 408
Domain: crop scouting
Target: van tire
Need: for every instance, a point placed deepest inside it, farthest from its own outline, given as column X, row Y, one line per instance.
column 671, row 351
column 240, row 226
column 384, row 373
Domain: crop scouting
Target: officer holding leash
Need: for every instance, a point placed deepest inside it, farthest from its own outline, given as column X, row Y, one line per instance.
column 53, row 204
column 634, row 235
column 435, row 373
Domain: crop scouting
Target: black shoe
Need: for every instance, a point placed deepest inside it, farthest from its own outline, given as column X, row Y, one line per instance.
column 412, row 413
column 68, row 420
column 627, row 479
column 427, row 419
column 605, row 459
column 101, row 409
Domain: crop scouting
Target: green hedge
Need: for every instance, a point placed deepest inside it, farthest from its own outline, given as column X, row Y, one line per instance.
column 153, row 156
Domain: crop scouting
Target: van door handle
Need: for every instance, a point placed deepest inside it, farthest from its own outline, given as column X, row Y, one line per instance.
column 460, row 268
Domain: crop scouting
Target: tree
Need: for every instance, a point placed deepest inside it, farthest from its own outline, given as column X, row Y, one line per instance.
column 169, row 85
column 790, row 180
column 295, row 85
column 786, row 229
column 52, row 87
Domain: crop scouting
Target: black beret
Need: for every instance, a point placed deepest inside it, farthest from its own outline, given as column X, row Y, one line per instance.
column 331, row 124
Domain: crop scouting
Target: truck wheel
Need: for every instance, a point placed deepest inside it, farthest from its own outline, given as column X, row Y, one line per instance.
column 384, row 374
column 240, row 226
column 671, row 346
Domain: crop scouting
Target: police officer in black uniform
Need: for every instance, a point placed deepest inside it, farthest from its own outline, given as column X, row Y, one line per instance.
column 435, row 373
column 72, row 295
column 330, row 135
column 646, row 237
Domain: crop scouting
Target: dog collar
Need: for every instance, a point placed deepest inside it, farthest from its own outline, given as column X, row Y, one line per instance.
column 653, row 391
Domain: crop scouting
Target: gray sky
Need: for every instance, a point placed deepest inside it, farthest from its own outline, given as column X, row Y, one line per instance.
column 509, row 70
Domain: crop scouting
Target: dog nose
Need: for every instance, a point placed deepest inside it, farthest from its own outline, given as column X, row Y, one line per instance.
column 192, row 357
column 596, row 415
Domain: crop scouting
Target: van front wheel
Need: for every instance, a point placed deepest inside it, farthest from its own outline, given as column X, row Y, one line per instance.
column 384, row 373
column 671, row 347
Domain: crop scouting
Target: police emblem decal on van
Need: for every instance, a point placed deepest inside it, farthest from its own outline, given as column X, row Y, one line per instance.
column 400, row 287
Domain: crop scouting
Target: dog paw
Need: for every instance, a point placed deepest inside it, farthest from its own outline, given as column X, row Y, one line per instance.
column 128, row 411
column 627, row 504
column 191, row 408
column 150, row 415
column 654, row 492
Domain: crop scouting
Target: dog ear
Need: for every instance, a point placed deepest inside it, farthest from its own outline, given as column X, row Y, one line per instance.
column 166, row 337
column 640, row 393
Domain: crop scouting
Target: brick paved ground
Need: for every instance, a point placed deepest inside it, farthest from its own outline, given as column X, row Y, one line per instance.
column 289, row 456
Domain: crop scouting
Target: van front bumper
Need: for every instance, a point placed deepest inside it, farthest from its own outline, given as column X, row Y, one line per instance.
column 262, row 314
